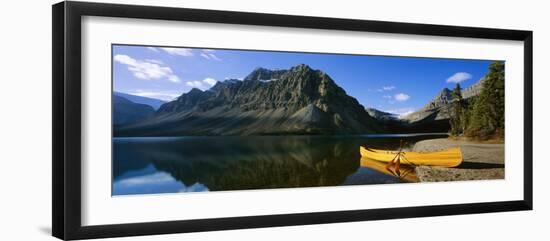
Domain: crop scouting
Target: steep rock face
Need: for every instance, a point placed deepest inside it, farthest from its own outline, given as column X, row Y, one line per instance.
column 473, row 90
column 295, row 101
column 127, row 112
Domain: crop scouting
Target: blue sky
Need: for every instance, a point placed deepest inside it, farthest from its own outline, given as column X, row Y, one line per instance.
column 394, row 84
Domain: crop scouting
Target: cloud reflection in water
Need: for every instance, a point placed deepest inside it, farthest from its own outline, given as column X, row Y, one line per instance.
column 157, row 182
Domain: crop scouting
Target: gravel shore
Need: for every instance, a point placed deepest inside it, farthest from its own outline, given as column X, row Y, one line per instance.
column 481, row 161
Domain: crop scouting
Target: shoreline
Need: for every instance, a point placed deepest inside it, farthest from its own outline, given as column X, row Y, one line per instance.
column 481, row 161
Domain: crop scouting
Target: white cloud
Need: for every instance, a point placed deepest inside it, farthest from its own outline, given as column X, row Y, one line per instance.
column 401, row 112
column 195, row 84
column 210, row 81
column 146, row 70
column 459, row 77
column 161, row 95
column 178, row 51
column 153, row 178
column 153, row 49
column 174, row 78
column 204, row 55
column 202, row 84
column 154, row 61
column 214, row 57
column 208, row 54
column 125, row 59
column 401, row 97
column 387, row 97
column 386, row 88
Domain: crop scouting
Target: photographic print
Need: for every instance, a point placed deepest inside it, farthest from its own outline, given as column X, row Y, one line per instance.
column 188, row 119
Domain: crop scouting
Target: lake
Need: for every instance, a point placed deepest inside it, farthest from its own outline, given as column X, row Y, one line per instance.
column 150, row 165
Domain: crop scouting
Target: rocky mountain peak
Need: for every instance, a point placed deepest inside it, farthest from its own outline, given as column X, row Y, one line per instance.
column 263, row 74
column 195, row 91
column 186, row 101
column 444, row 97
column 301, row 68
column 221, row 84
column 305, row 78
column 298, row 100
column 192, row 95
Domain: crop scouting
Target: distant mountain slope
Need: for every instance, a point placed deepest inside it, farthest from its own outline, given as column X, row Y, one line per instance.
column 439, row 107
column 380, row 115
column 295, row 101
column 126, row 111
column 434, row 117
column 155, row 103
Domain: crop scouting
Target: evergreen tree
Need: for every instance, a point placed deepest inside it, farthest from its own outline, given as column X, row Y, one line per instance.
column 487, row 115
column 458, row 118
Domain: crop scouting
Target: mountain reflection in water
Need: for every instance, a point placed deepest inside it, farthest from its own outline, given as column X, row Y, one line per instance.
column 147, row 165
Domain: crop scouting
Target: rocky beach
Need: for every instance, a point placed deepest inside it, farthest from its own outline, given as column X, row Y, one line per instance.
column 481, row 161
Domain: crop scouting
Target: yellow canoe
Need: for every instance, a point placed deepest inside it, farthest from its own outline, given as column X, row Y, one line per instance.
column 447, row 158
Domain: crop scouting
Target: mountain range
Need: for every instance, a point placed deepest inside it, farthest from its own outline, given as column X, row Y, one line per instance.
column 299, row 100
column 155, row 103
column 433, row 117
column 439, row 107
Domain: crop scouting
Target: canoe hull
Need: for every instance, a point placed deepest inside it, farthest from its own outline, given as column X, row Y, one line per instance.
column 446, row 158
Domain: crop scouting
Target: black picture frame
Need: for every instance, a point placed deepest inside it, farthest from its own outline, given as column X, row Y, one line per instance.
column 66, row 164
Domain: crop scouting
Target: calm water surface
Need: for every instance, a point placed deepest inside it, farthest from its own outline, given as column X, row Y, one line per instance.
column 148, row 165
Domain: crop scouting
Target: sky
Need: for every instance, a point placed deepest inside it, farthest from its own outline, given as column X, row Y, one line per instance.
column 398, row 85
